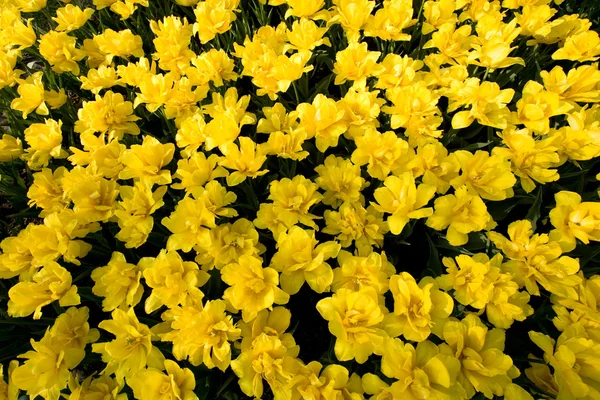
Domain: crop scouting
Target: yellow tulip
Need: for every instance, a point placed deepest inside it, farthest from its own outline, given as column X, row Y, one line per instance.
column 246, row 160
column 252, row 287
column 462, row 213
column 118, row 282
column 301, row 258
column 354, row 223
column 574, row 360
column 59, row 49
column 573, row 220
column 535, row 259
column 418, row 372
column 322, row 119
column 71, row 17
column 152, row 384
column 404, row 200
column 44, row 142
column 204, row 336
column 488, row 176
column 49, row 284
column 46, row 369
column 356, row 63
column 355, row 320
column 146, row 161
column 109, row 114
column 71, row 329
column 419, row 309
column 131, row 350
column 265, row 360
column 272, row 323
column 484, row 366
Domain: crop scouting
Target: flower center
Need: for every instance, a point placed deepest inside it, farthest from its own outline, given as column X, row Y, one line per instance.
column 256, row 285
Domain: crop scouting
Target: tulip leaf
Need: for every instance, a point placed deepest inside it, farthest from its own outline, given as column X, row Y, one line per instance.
column 434, row 265
column 535, row 210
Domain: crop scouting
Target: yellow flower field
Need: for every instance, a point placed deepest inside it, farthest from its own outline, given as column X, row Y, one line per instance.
column 299, row 199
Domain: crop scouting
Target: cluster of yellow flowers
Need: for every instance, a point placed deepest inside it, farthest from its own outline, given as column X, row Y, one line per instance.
column 253, row 152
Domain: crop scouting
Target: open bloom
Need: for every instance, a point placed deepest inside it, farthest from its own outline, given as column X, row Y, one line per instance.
column 356, row 272
column 530, row 159
column 45, row 141
column 189, row 223
column 487, row 102
column 92, row 195
column 583, row 310
column 484, row 366
column 213, row 17
column 203, row 334
column 404, row 200
column 253, row 288
column 172, row 280
column 32, row 96
column 266, row 359
column 436, row 167
column 462, row 213
column 418, row 371
column 197, row 170
column 11, row 148
column 355, row 320
column 381, row 152
column 118, row 282
column 485, row 175
column 537, row 106
column 228, row 242
column 46, row 191
column 574, row 85
column 471, row 278
column 333, row 380
column 71, row 17
column 419, row 309
column 300, row 257
column 341, row 180
column 573, row 219
column 388, row 22
column 322, row 119
column 584, row 46
column 354, row 223
column 132, row 349
column 246, row 160
column 118, row 44
column 49, row 284
column 536, row 260
column 292, row 199
column 174, row 382
column 273, row 323
column 59, row 49
column 574, row 359
column 356, row 63
column 71, row 329
column 134, row 212
column 46, row 369
column 107, row 114
column 146, row 161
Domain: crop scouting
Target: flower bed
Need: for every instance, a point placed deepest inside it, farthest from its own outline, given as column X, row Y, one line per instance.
column 294, row 199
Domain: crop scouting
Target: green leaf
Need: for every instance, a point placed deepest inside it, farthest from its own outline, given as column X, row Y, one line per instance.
column 434, row 265
column 476, row 146
column 321, row 87
column 534, row 212
column 500, row 209
column 225, row 384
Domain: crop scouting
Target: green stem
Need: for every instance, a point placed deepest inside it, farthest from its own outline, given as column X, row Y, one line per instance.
column 487, row 71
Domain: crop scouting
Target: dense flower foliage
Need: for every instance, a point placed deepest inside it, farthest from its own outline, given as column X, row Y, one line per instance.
column 299, row 199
